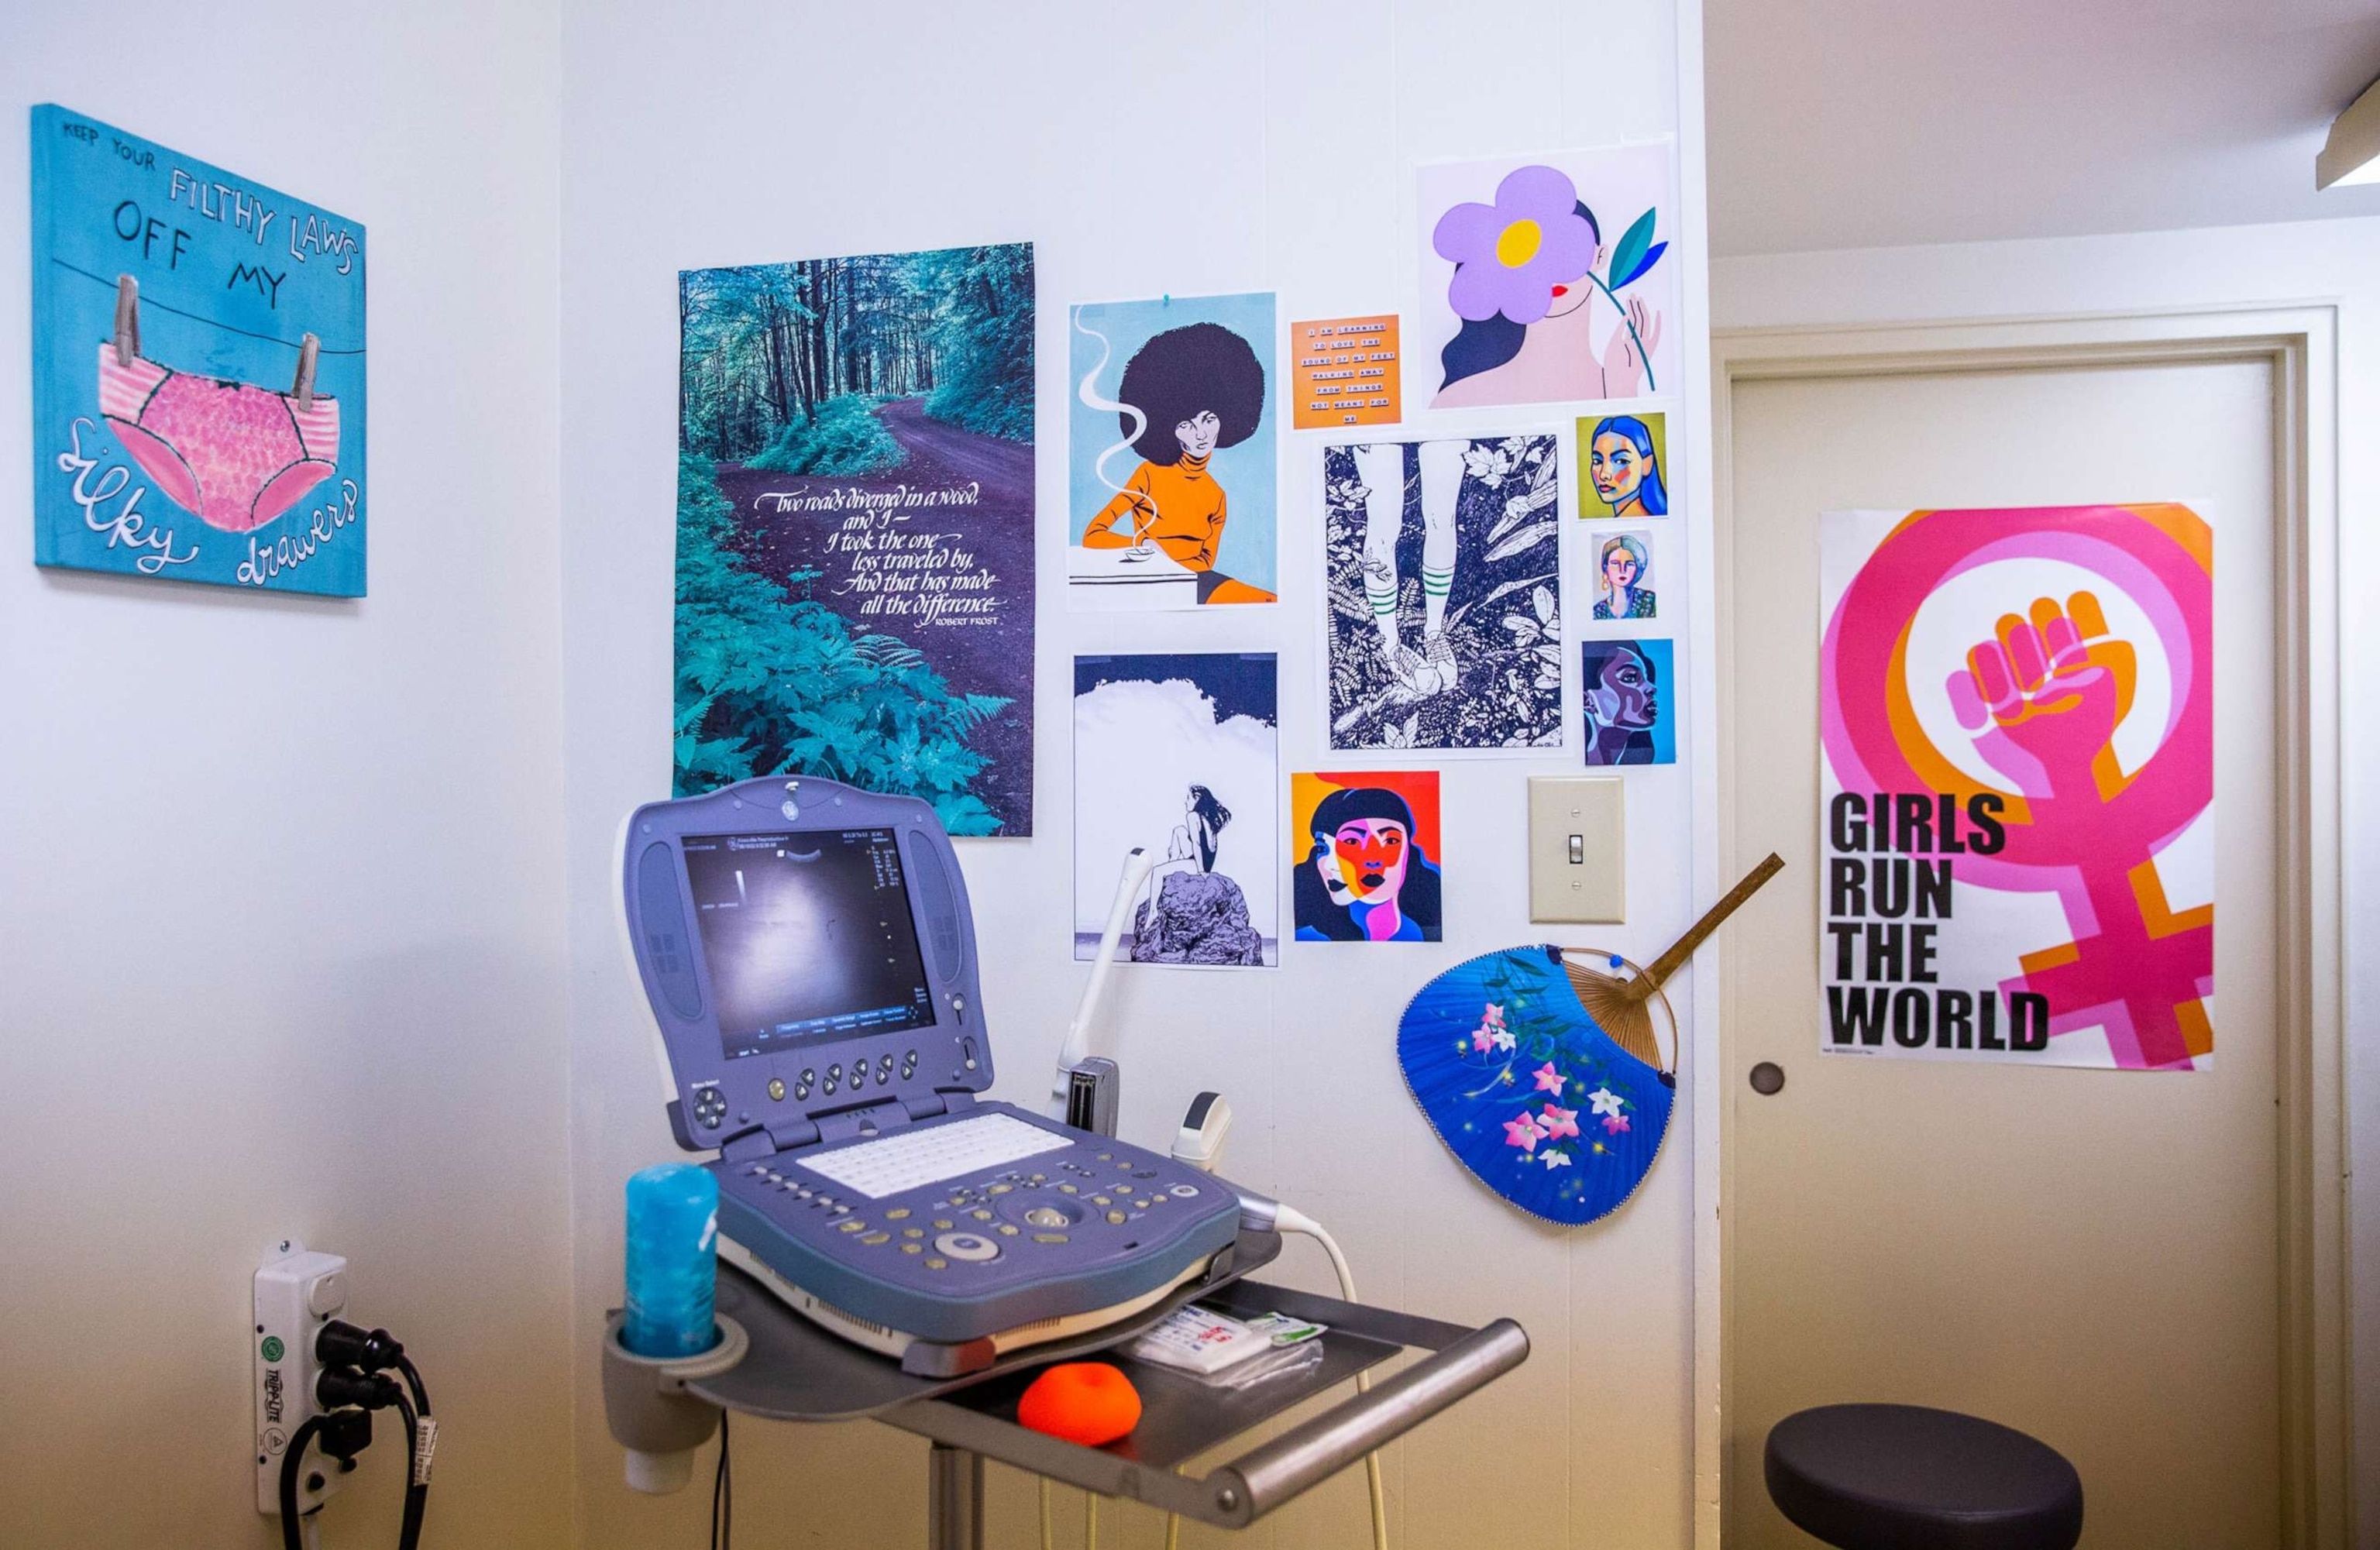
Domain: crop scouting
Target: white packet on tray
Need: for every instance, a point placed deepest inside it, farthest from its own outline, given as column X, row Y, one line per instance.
column 1200, row 1340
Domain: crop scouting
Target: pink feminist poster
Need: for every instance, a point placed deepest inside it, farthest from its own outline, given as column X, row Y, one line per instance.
column 2017, row 792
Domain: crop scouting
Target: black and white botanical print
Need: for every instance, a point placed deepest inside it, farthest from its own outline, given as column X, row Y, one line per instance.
column 1445, row 613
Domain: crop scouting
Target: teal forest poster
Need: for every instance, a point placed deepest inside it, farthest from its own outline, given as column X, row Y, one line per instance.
column 855, row 527
column 198, row 370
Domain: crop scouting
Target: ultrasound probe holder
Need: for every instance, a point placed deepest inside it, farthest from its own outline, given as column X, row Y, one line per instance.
column 758, row 1094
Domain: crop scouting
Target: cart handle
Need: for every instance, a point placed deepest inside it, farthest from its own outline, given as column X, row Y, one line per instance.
column 1275, row 1472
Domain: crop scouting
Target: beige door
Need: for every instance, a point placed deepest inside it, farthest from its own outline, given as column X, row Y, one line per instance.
column 2091, row 1256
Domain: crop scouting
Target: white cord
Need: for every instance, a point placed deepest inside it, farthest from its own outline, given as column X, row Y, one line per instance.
column 1290, row 1219
column 1090, row 1517
column 311, row 1528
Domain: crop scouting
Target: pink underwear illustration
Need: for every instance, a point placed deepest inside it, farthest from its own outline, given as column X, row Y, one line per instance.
column 237, row 456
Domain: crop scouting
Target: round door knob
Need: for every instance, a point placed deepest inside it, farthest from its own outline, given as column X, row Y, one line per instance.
column 1767, row 1078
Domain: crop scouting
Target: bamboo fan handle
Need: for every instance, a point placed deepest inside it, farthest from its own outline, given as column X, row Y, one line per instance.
column 1666, row 964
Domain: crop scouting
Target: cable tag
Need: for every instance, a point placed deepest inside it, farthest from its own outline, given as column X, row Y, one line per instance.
column 425, row 1445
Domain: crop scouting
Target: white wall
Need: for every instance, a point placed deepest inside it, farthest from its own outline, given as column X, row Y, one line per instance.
column 280, row 940
column 1144, row 150
column 2326, row 260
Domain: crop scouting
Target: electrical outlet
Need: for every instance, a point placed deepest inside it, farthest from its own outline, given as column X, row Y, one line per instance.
column 1578, row 857
column 298, row 1291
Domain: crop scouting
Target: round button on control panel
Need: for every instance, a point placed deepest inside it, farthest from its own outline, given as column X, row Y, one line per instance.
column 970, row 1246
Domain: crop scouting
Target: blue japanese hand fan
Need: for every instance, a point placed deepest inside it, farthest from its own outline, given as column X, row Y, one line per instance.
column 1544, row 1076
column 1528, row 1091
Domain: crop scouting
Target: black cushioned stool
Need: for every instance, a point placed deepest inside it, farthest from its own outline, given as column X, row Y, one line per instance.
column 1901, row 1477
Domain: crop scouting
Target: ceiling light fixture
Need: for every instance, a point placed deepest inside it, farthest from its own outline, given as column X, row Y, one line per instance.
column 2351, row 155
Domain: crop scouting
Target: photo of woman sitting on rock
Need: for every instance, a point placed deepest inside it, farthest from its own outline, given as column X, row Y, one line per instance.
column 1195, row 914
column 1177, row 766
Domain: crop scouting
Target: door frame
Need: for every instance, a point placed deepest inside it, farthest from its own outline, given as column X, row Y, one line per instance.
column 2300, row 341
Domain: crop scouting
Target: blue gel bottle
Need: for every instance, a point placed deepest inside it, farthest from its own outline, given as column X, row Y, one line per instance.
column 673, row 1261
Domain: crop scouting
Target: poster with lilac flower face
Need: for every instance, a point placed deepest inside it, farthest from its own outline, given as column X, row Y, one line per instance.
column 1547, row 279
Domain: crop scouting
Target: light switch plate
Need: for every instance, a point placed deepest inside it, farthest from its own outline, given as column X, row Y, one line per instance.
column 1578, row 859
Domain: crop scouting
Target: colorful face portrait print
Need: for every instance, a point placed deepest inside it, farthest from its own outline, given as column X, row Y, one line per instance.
column 1624, row 577
column 1170, row 452
column 2017, row 718
column 1365, row 857
column 1625, row 689
column 1621, row 459
column 1527, row 1091
column 198, row 374
column 1548, row 278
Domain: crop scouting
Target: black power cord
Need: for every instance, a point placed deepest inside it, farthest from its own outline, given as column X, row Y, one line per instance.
column 408, row 1532
column 290, row 1537
column 339, row 1387
column 341, row 1344
column 416, row 1455
column 722, row 1495
column 374, row 1351
column 342, row 1434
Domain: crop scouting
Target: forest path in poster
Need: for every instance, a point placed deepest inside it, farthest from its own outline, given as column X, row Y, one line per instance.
column 993, row 525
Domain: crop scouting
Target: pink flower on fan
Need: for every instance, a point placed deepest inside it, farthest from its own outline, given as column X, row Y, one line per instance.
column 1559, row 1122
column 1490, row 1031
column 1509, row 256
column 1524, row 1133
column 1614, row 1124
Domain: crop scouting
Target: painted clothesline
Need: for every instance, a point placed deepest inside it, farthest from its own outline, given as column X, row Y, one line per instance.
column 151, row 304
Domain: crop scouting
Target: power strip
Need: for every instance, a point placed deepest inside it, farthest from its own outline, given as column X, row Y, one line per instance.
column 298, row 1291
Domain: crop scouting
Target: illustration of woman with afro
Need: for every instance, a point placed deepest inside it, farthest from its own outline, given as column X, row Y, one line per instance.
column 1197, row 389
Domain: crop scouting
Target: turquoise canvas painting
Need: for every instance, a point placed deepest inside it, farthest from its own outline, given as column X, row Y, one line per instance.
column 198, row 370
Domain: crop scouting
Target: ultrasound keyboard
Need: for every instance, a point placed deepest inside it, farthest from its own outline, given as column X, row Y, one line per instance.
column 932, row 1153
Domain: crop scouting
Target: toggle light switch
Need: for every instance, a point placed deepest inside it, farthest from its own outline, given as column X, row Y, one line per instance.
column 1578, row 834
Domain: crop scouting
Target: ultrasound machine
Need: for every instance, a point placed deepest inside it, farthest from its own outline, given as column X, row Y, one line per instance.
column 809, row 955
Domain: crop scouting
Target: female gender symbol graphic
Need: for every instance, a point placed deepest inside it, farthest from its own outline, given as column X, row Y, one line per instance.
column 2041, row 699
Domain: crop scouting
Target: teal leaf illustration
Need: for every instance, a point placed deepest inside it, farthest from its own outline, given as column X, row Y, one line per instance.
column 1628, row 260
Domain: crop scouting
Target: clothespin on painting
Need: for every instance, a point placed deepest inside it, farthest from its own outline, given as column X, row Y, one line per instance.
column 1169, row 298
column 303, row 389
column 127, row 319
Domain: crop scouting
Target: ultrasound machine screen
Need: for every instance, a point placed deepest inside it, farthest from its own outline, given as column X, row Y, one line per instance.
column 808, row 936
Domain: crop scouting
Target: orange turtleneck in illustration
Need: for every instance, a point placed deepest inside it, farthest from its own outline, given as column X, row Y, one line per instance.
column 1195, row 389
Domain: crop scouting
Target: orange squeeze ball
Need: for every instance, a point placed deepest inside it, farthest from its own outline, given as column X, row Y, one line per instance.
column 1086, row 1402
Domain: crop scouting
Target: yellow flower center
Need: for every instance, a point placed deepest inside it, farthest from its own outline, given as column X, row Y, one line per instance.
column 1519, row 244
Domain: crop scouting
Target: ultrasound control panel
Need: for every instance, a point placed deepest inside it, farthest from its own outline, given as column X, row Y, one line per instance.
column 980, row 1251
